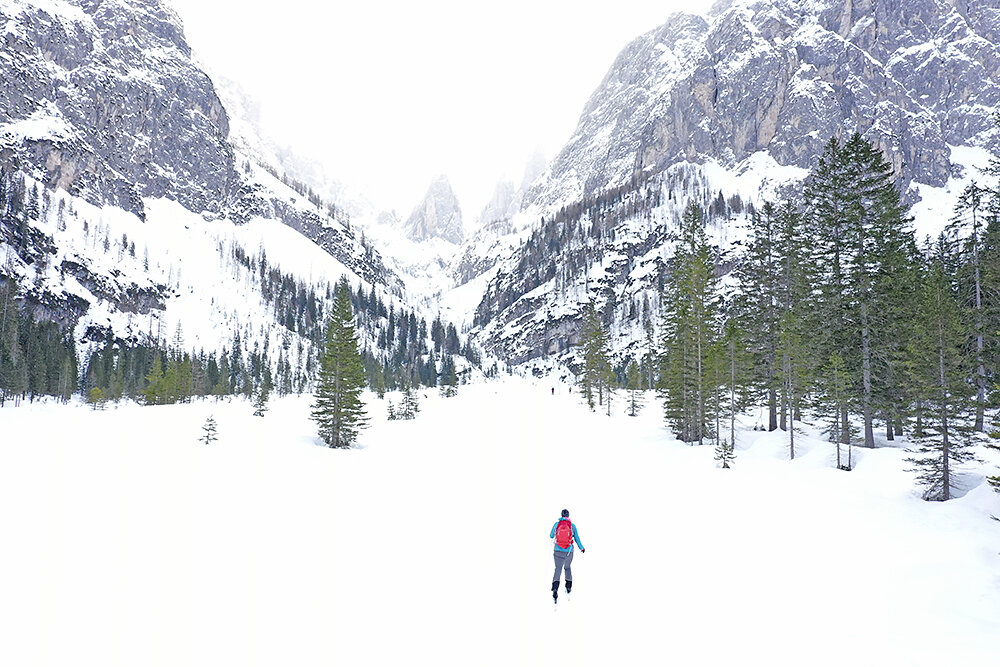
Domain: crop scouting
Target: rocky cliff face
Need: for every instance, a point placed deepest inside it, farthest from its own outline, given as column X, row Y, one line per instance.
column 783, row 76
column 101, row 99
column 725, row 109
column 438, row 216
column 103, row 107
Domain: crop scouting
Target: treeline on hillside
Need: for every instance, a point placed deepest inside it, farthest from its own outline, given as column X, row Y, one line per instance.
column 160, row 374
column 19, row 205
column 36, row 358
column 399, row 348
column 839, row 310
column 332, row 210
column 564, row 246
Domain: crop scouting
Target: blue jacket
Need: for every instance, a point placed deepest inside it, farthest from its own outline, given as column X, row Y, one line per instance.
column 576, row 536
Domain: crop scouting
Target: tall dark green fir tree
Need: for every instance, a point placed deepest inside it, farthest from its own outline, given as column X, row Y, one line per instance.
column 865, row 256
column 595, row 377
column 338, row 408
column 690, row 330
column 940, row 373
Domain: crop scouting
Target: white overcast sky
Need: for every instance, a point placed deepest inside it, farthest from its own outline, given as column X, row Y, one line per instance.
column 391, row 93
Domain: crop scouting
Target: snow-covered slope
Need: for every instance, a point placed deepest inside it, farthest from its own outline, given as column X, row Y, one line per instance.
column 135, row 211
column 104, row 272
column 127, row 542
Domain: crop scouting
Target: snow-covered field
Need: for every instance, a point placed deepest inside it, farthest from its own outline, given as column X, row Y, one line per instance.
column 125, row 541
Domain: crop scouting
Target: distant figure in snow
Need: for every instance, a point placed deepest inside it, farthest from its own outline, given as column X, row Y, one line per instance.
column 564, row 533
column 553, row 391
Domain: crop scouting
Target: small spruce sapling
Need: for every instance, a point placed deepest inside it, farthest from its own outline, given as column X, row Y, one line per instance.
column 96, row 398
column 724, row 453
column 411, row 403
column 210, row 434
column 632, row 381
column 260, row 399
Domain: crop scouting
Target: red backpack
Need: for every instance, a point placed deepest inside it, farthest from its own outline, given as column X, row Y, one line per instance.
column 564, row 534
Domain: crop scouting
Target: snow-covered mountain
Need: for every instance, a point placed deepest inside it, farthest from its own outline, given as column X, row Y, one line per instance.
column 134, row 210
column 437, row 216
column 783, row 76
column 729, row 109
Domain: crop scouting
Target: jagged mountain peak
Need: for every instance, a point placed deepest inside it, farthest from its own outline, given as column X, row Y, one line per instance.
column 439, row 215
column 782, row 77
column 498, row 207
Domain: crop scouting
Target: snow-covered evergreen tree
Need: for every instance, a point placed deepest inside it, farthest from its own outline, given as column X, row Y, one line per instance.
column 210, row 431
column 260, row 399
column 725, row 453
column 410, row 406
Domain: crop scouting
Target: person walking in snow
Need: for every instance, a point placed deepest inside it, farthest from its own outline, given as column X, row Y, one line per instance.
column 564, row 533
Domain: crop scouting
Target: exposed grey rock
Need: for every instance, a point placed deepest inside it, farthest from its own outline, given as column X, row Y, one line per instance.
column 102, row 99
column 498, row 207
column 784, row 76
column 438, row 216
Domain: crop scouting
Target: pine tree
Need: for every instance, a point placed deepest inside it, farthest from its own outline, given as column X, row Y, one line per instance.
column 596, row 371
column 940, row 373
column 826, row 205
column 96, row 398
column 863, row 250
column 449, row 377
column 968, row 221
column 737, row 367
column 209, row 434
column 633, row 382
column 378, row 380
column 261, row 397
column 725, row 453
column 411, row 403
column 154, row 393
column 338, row 408
column 690, row 322
column 758, row 302
column 994, row 443
column 833, row 384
